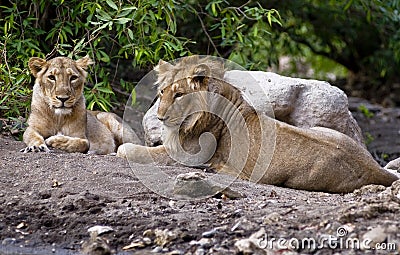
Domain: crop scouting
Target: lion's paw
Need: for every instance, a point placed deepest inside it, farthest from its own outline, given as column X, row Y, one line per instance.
column 34, row 148
column 121, row 152
column 134, row 152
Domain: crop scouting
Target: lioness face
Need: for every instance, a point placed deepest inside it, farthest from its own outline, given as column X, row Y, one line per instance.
column 61, row 81
column 183, row 101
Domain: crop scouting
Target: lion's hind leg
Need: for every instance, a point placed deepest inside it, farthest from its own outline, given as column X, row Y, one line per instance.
column 100, row 137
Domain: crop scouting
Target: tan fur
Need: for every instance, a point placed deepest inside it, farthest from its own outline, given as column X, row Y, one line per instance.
column 67, row 126
column 251, row 146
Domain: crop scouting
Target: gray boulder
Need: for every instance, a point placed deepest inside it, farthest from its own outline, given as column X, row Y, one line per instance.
column 299, row 102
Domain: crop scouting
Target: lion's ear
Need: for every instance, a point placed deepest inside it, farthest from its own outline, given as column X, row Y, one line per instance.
column 36, row 65
column 84, row 62
column 162, row 66
column 201, row 74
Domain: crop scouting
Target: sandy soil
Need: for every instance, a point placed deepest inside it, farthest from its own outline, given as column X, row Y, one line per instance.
column 50, row 200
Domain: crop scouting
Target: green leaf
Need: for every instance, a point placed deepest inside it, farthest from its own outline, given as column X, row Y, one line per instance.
column 349, row 3
column 105, row 90
column 112, row 4
column 133, row 97
column 130, row 34
column 122, row 20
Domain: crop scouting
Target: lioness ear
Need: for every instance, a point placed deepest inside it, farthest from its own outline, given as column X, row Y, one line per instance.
column 201, row 74
column 36, row 65
column 84, row 62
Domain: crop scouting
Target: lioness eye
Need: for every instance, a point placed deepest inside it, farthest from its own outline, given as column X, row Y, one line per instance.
column 161, row 92
column 52, row 77
column 178, row 94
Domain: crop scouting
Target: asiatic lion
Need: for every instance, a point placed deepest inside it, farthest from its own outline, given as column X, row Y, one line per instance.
column 59, row 118
column 208, row 123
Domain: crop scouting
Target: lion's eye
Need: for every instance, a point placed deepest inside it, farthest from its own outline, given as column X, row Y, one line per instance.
column 161, row 92
column 51, row 77
column 178, row 94
column 74, row 78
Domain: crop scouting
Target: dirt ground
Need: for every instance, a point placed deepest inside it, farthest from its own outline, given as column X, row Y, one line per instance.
column 49, row 201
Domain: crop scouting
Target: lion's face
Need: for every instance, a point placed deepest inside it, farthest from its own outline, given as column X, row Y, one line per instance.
column 183, row 96
column 61, row 81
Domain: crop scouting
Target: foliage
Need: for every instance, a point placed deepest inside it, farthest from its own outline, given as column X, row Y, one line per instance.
column 121, row 36
column 361, row 35
column 365, row 111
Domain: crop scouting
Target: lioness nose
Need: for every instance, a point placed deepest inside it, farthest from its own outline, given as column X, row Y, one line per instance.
column 62, row 99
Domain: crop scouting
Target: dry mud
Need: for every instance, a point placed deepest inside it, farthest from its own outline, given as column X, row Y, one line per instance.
column 50, row 200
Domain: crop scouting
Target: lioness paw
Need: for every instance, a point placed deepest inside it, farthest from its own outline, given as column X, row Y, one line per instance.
column 60, row 142
column 67, row 143
column 34, row 148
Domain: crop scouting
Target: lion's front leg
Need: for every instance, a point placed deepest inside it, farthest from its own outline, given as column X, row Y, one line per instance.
column 145, row 155
column 68, row 143
column 34, row 141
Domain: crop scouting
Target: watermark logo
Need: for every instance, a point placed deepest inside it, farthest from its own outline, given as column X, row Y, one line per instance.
column 340, row 241
column 183, row 110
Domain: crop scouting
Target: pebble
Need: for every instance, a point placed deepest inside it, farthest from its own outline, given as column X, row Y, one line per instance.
column 210, row 233
column 375, row 235
column 203, row 242
column 193, row 185
column 200, row 251
column 99, row 230
column 271, row 218
column 163, row 237
column 8, row 241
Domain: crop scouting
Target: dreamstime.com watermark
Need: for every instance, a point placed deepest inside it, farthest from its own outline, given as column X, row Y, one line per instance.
column 341, row 241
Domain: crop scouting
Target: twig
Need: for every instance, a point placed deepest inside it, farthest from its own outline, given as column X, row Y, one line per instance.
column 205, row 31
column 5, row 58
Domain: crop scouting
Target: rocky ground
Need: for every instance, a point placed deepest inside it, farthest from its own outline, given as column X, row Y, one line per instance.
column 50, row 201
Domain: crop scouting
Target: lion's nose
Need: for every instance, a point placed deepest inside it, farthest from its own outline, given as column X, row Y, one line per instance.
column 162, row 118
column 62, row 99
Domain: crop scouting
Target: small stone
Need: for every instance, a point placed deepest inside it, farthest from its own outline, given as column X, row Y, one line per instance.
column 163, row 237
column 157, row 249
column 203, row 242
column 175, row 252
column 200, row 251
column 210, row 233
column 251, row 245
column 134, row 245
column 8, row 241
column 374, row 236
column 99, row 230
column 22, row 225
column 149, row 233
column 147, row 240
column 193, row 185
column 96, row 246
column 247, row 246
column 272, row 218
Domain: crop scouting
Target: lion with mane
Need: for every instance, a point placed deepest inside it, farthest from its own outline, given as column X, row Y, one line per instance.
column 207, row 123
column 59, row 118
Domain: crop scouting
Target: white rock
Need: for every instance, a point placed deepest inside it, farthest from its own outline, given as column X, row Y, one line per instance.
column 393, row 165
column 299, row 102
column 152, row 126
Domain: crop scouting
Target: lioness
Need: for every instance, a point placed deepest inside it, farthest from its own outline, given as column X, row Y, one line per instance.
column 59, row 118
column 195, row 102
